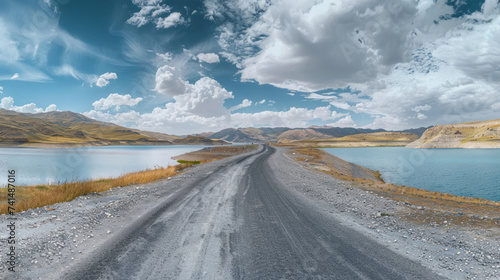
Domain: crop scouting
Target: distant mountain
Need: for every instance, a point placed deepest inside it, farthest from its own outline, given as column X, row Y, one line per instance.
column 72, row 129
column 417, row 131
column 249, row 135
column 286, row 135
column 483, row 134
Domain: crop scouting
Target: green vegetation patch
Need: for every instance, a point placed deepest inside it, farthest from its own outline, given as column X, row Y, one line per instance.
column 189, row 162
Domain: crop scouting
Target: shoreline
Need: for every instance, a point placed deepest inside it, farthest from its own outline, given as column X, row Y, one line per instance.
column 458, row 209
column 42, row 195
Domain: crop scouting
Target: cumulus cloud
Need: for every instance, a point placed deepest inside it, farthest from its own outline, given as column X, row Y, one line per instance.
column 205, row 99
column 8, row 104
column 15, row 76
column 1, row 90
column 244, row 104
column 103, row 80
column 313, row 45
column 199, row 106
column 166, row 57
column 115, row 100
column 171, row 20
column 208, row 57
column 153, row 11
column 169, row 82
column 419, row 108
column 344, row 122
column 51, row 107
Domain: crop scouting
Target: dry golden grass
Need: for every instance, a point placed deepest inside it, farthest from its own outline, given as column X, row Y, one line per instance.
column 42, row 195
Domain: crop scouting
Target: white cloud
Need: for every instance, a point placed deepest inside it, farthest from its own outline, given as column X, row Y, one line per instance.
column 172, row 20
column 152, row 11
column 244, row 104
column 169, row 81
column 1, row 90
column 15, row 76
column 312, row 45
column 8, row 104
column 421, row 116
column 208, row 57
column 149, row 10
column 205, row 99
column 457, row 74
column 166, row 57
column 103, row 80
column 294, row 117
column 115, row 100
column 344, row 122
column 291, row 93
column 51, row 107
column 419, row 108
column 260, row 102
column 489, row 7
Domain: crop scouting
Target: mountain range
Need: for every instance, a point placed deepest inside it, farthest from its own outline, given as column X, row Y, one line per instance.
column 63, row 129
column 287, row 135
column 71, row 129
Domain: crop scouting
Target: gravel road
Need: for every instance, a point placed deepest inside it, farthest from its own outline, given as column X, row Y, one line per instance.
column 255, row 216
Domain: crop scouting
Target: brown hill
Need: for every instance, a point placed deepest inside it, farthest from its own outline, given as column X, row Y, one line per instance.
column 63, row 129
column 483, row 134
column 301, row 134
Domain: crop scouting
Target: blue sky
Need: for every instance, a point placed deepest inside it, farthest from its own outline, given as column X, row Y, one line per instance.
column 194, row 66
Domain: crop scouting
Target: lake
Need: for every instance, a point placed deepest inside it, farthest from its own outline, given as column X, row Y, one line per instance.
column 44, row 165
column 462, row 172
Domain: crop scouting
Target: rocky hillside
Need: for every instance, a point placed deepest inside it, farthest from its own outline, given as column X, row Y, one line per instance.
column 63, row 129
column 483, row 134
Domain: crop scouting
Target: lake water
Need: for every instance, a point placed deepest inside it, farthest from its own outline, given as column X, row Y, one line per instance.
column 43, row 165
column 462, row 172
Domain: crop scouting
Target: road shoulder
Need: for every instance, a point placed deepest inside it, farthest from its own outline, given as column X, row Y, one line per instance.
column 454, row 253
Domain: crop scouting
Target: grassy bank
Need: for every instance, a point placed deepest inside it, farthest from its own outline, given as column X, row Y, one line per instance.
column 29, row 197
